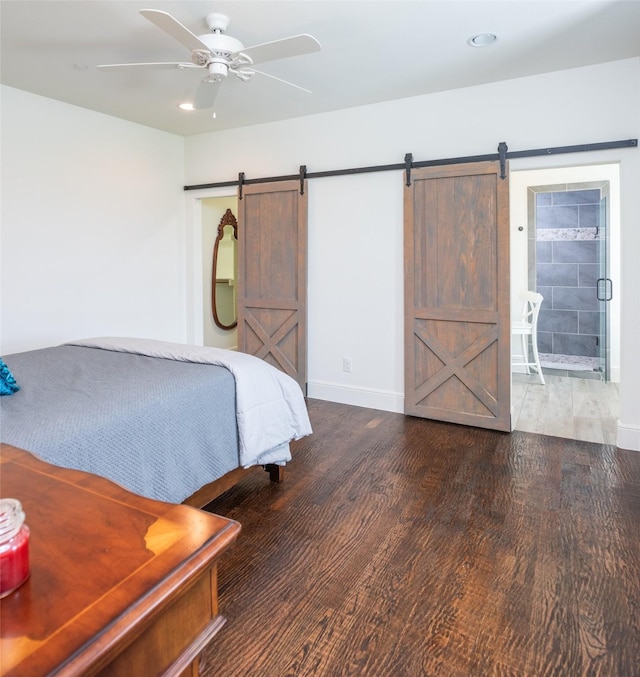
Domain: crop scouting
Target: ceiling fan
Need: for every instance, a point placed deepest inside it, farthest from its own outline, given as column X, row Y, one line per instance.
column 220, row 54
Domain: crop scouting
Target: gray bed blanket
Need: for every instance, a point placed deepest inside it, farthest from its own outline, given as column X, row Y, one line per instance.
column 270, row 406
column 160, row 428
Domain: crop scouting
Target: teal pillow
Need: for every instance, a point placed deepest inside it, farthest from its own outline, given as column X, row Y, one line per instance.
column 8, row 384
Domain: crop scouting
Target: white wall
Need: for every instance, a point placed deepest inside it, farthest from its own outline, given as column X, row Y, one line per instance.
column 92, row 226
column 355, row 292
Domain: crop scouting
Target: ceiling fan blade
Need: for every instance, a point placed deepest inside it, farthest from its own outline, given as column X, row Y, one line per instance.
column 286, row 82
column 180, row 65
column 206, row 94
column 296, row 45
column 174, row 28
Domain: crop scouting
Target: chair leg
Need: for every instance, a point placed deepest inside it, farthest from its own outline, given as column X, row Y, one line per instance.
column 525, row 351
column 536, row 357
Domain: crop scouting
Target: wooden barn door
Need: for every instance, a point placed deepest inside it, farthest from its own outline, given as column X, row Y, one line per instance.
column 272, row 282
column 457, row 313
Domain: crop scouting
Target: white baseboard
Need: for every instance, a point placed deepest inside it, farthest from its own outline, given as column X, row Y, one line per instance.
column 628, row 437
column 358, row 397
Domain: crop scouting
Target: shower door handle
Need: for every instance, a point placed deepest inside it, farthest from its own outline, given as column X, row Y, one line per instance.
column 606, row 284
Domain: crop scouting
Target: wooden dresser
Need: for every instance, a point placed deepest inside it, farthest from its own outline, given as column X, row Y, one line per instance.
column 119, row 585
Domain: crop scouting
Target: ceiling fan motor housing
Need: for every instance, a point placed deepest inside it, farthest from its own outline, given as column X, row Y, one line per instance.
column 221, row 47
column 217, row 42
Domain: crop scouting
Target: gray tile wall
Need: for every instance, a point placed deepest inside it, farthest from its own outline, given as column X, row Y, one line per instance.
column 567, row 256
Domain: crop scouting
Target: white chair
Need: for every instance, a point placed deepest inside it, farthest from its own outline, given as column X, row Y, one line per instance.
column 528, row 326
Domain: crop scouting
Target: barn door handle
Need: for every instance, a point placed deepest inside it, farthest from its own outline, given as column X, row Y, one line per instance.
column 608, row 289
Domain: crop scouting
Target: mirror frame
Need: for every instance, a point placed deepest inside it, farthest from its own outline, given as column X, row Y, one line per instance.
column 228, row 219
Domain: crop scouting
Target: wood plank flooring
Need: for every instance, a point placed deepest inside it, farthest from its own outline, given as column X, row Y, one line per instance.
column 402, row 547
column 581, row 409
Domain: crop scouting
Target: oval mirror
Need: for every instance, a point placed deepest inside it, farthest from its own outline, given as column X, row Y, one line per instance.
column 224, row 273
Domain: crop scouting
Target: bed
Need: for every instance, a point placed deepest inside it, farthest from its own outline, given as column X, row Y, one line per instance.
column 168, row 421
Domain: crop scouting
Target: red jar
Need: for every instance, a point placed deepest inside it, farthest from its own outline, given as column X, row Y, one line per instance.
column 14, row 546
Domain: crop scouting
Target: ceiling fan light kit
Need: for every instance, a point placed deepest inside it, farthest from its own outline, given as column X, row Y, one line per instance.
column 220, row 54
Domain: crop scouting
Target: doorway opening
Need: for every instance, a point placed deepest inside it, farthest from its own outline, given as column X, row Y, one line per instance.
column 578, row 401
column 205, row 210
column 213, row 210
column 569, row 265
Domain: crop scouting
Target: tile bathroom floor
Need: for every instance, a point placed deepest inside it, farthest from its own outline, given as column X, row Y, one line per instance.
column 576, row 408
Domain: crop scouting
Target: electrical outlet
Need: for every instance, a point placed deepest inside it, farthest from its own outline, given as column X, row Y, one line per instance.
column 347, row 364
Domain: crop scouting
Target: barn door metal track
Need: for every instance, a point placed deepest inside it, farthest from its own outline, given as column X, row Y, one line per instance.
column 501, row 156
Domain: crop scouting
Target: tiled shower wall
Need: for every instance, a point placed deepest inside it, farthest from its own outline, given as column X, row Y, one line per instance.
column 567, row 267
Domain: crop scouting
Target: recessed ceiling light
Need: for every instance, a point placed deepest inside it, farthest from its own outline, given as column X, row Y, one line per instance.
column 482, row 40
column 186, row 106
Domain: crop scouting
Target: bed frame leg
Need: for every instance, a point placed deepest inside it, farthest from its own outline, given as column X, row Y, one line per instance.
column 276, row 472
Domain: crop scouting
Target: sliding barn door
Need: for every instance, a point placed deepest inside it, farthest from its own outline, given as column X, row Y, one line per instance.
column 457, row 314
column 272, row 283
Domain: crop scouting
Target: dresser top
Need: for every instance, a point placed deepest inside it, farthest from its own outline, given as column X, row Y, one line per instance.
column 102, row 560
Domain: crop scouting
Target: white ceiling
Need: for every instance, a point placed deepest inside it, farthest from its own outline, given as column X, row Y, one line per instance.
column 372, row 51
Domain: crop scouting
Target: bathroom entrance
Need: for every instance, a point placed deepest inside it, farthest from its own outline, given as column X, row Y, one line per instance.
column 561, row 218
column 569, row 264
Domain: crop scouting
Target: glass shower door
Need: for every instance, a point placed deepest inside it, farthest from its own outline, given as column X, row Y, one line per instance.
column 604, row 289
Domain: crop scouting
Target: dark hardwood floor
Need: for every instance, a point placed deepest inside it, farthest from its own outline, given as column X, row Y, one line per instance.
column 399, row 546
